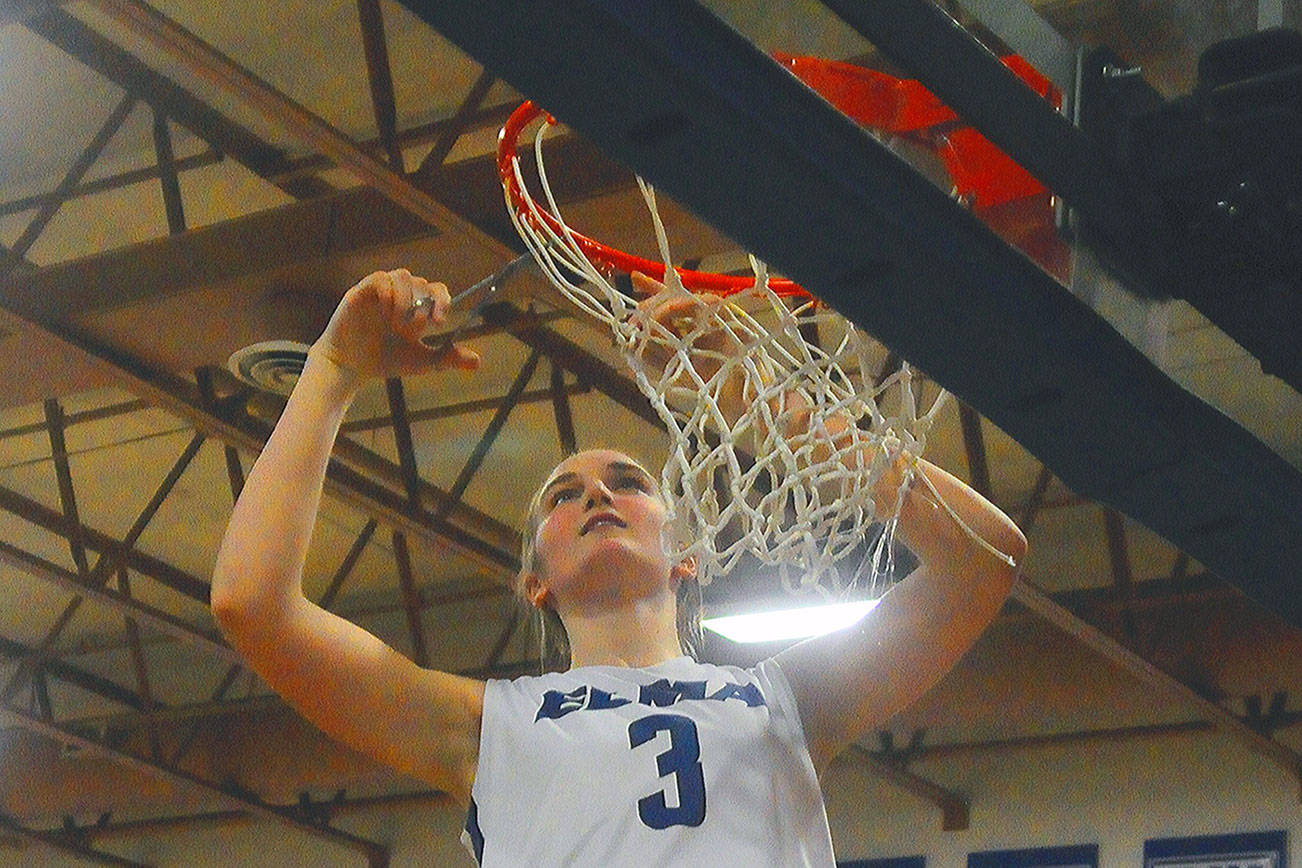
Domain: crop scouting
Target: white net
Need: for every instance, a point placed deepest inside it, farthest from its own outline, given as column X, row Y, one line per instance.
column 790, row 440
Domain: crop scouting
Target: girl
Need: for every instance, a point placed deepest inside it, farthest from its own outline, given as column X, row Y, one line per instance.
column 637, row 755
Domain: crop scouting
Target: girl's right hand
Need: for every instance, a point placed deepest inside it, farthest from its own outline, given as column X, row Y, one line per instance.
column 376, row 329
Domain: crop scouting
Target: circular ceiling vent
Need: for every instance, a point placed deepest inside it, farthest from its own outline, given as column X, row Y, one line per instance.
column 273, row 366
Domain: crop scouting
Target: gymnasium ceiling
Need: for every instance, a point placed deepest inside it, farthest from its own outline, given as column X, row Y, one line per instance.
column 162, row 208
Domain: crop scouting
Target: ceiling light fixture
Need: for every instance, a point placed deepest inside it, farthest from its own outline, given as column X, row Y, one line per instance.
column 786, row 624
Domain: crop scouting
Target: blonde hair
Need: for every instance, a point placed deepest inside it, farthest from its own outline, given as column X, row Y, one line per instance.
column 553, row 640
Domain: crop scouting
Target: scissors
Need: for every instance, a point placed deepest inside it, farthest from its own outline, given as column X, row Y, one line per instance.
column 479, row 295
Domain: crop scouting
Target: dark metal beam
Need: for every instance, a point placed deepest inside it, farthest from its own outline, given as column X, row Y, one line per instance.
column 1119, row 556
column 168, row 177
column 974, row 444
column 411, row 601
column 525, row 327
column 80, row 416
column 346, row 568
column 67, row 495
column 147, row 565
column 65, row 844
column 231, row 793
column 1036, row 500
column 277, row 108
column 156, row 619
column 955, row 814
column 141, row 667
column 349, row 223
column 457, row 125
column 13, row 11
column 120, row 67
column 378, row 73
column 495, row 425
column 464, row 408
column 422, row 134
column 75, row 676
column 115, row 182
column 108, row 562
column 561, row 411
column 1041, row 604
column 732, row 135
column 402, row 439
column 926, row 42
column 54, row 201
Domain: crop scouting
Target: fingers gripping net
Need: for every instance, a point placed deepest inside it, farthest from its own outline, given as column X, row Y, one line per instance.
column 784, row 445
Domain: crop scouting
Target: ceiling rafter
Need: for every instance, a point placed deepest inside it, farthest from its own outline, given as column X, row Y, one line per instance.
column 67, row 495
column 168, row 175
column 411, row 601
column 376, row 853
column 974, row 444
column 51, row 204
column 76, row 676
column 141, row 667
column 380, row 77
column 954, row 809
column 277, row 108
column 466, row 408
column 346, row 567
column 457, row 125
column 155, row 618
column 1043, row 605
column 525, row 327
column 560, row 397
column 67, row 843
column 1122, row 579
column 117, row 181
column 495, row 425
column 353, row 222
column 127, row 72
column 402, row 439
column 147, row 565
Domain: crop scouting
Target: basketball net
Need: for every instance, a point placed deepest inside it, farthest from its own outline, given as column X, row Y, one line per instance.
column 789, row 441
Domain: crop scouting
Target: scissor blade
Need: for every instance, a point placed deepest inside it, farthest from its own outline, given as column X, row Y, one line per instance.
column 477, row 297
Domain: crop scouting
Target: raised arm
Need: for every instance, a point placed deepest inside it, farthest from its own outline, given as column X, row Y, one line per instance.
column 339, row 676
column 852, row 680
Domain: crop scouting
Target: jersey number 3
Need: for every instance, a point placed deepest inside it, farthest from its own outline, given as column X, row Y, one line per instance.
column 683, row 761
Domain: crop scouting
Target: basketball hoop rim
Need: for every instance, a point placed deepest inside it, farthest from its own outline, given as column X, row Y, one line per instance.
column 607, row 258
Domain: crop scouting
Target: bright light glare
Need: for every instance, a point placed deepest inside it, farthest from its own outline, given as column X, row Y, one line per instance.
column 789, row 623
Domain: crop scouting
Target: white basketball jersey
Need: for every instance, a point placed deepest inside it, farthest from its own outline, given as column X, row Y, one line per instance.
column 681, row 763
